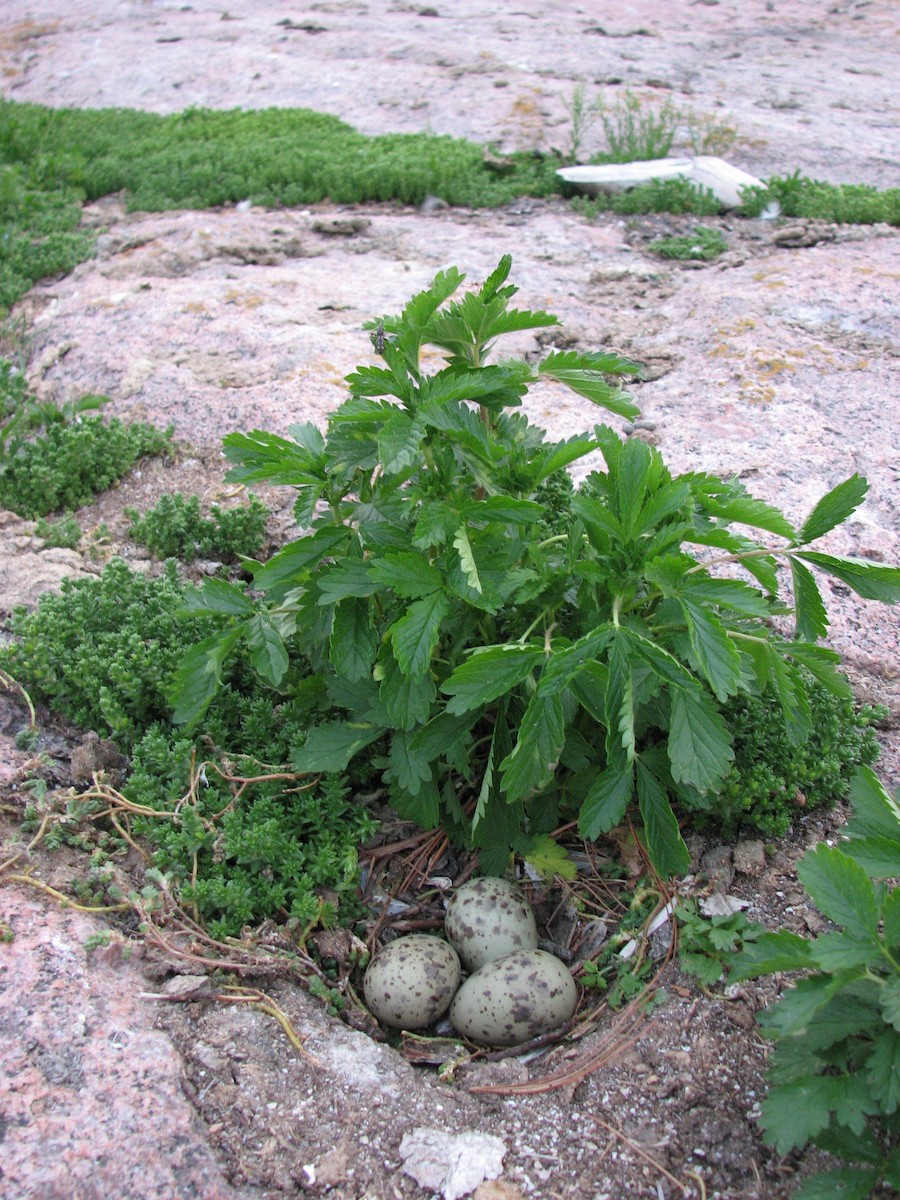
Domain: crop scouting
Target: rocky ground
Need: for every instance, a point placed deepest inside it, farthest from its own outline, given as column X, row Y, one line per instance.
column 777, row 363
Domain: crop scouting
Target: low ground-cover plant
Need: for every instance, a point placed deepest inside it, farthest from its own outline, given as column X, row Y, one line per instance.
column 176, row 528
column 834, row 1073
column 59, row 457
column 799, row 196
column 64, row 533
column 239, row 840
column 516, row 679
column 703, row 244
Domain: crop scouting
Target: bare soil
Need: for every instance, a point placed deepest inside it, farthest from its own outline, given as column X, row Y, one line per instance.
column 777, row 362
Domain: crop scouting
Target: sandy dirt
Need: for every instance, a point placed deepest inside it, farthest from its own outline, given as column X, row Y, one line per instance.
column 776, row 363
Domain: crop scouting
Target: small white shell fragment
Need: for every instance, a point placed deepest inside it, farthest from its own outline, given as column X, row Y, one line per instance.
column 514, row 998
column 487, row 918
column 410, row 982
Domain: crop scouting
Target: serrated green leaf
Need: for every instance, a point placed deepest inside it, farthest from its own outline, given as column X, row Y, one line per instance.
column 781, row 951
column 435, row 523
column 534, row 757
column 744, row 509
column 554, row 457
column 764, row 569
column 835, row 952
column 441, row 733
column 631, row 483
column 330, row 747
column 490, row 673
column 291, row 565
column 569, row 661
column 600, row 523
column 883, row 1072
column 215, row 596
column 699, row 744
column 853, row 1147
column 548, row 857
column 410, row 769
column 506, row 509
column 890, row 915
column 619, row 704
column 835, row 507
column 589, row 688
column 668, row 852
column 879, row 856
column 467, row 558
column 350, row 577
column 717, row 659
column 259, row 456
column 793, row 1113
column 198, row 676
column 843, row 1183
column 406, row 699
column 812, row 619
column 584, row 374
column 353, row 640
column 871, row 580
column 824, row 665
column 841, row 889
column 727, row 593
column 606, row 802
column 890, row 1000
column 791, row 693
column 268, row 655
column 424, row 808
column 875, row 811
column 416, row 634
column 798, row 1006
column 408, row 574
column 398, row 443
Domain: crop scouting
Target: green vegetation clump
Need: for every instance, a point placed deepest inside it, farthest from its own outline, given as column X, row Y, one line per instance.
column 703, row 244
column 72, row 462
column 845, row 203
column 833, row 1073
column 774, row 780
column 65, row 533
column 658, row 196
column 470, row 651
column 102, row 654
column 175, row 528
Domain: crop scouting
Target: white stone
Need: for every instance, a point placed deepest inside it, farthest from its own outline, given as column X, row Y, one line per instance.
column 452, row 1164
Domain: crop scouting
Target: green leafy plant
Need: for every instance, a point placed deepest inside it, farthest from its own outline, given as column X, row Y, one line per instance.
column 637, row 132
column 702, row 244
column 799, row 196
column 834, row 1075
column 775, row 778
column 103, row 650
column 658, row 196
column 240, row 841
column 706, row 944
column 175, row 528
column 65, row 533
column 75, row 457
column 514, row 678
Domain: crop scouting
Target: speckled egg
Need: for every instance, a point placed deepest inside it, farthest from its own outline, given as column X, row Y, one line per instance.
column 514, row 999
column 410, row 982
column 487, row 918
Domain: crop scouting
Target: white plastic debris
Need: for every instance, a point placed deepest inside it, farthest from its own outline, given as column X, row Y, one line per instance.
column 453, row 1164
column 706, row 170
